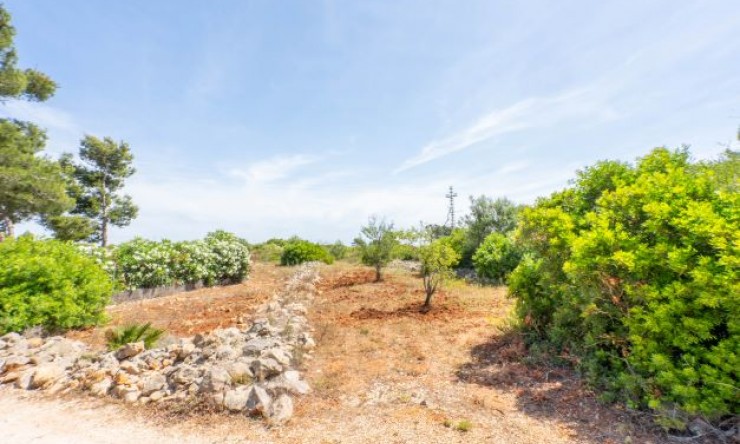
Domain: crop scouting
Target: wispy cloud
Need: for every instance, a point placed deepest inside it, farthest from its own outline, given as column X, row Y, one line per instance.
column 43, row 115
column 63, row 130
column 524, row 114
column 272, row 169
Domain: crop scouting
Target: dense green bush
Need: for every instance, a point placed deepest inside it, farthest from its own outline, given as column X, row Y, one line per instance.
column 634, row 272
column 496, row 257
column 218, row 259
column 51, row 284
column 300, row 251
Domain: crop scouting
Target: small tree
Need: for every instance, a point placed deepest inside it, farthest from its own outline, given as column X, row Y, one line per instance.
column 100, row 176
column 437, row 260
column 376, row 242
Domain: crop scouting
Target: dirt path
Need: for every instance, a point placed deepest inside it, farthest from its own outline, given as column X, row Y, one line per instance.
column 34, row 419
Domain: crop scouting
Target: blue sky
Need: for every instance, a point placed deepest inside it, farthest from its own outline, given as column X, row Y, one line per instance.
column 277, row 118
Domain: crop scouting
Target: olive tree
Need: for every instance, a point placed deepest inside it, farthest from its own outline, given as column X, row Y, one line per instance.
column 376, row 242
column 437, row 261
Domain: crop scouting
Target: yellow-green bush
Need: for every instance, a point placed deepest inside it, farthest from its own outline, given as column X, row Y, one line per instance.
column 634, row 269
column 51, row 284
column 300, row 251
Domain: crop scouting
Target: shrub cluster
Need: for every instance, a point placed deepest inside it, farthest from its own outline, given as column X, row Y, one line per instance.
column 634, row 272
column 50, row 283
column 299, row 251
column 496, row 257
column 220, row 258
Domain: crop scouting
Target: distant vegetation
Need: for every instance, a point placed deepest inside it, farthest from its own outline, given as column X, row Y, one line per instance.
column 299, row 251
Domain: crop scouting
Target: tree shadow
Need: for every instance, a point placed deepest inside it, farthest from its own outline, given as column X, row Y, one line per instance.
column 548, row 391
column 410, row 310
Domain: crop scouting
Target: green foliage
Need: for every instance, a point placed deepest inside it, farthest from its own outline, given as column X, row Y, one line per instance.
column 220, row 258
column 29, row 184
column 457, row 240
column 18, row 83
column 70, row 227
column 133, row 333
column 299, row 251
column 635, row 271
column 51, row 284
column 96, row 181
column 496, row 258
column 487, row 216
column 437, row 260
column 268, row 252
column 338, row 250
column 377, row 242
column 464, row 426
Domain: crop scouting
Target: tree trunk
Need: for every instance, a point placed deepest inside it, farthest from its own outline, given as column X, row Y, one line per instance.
column 428, row 301
column 9, row 227
column 378, row 276
column 104, row 232
column 104, row 215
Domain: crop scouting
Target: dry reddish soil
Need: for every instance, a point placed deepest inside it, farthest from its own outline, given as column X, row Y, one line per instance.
column 188, row 313
column 383, row 371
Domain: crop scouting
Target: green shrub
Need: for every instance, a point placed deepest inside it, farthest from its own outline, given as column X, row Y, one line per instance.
column 268, row 252
column 634, row 269
column 338, row 250
column 51, row 284
column 464, row 426
column 496, row 258
column 133, row 333
column 300, row 251
column 405, row 252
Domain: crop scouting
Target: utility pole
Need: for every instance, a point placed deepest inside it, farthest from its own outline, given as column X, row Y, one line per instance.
column 451, row 213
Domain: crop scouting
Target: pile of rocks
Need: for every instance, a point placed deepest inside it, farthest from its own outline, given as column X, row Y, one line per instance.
column 249, row 368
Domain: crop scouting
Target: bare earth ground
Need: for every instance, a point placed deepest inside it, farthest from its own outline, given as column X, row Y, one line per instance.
column 382, row 372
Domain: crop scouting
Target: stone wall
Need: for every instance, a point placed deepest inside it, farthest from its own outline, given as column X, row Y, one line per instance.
column 250, row 370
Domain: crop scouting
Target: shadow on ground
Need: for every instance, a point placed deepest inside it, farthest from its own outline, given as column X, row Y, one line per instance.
column 551, row 392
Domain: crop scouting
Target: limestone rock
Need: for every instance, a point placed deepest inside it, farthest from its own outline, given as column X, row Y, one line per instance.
column 129, row 350
column 235, row 400
column 45, row 375
column 101, row 387
column 24, row 379
column 281, row 409
column 153, row 383
column 185, row 374
column 290, row 381
column 255, row 346
column 264, row 368
column 281, row 356
column 258, row 401
column 216, row 379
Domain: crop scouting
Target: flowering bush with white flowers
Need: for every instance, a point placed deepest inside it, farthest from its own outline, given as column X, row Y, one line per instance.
column 220, row 258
